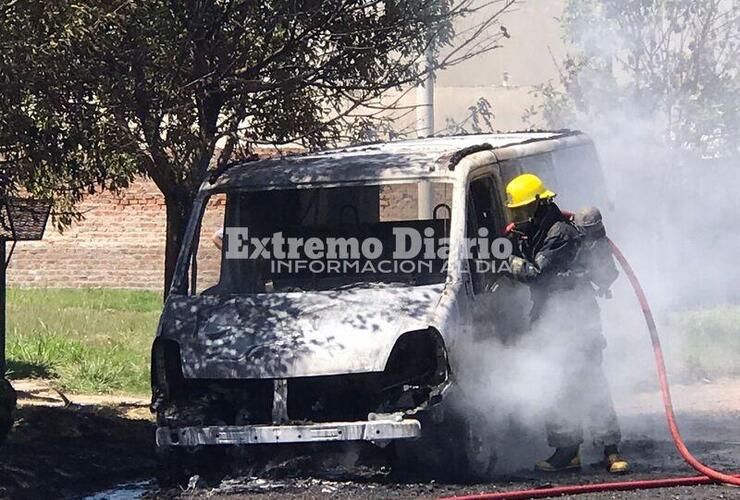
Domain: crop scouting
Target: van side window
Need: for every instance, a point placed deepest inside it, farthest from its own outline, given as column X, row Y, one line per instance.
column 508, row 169
column 488, row 211
column 540, row 165
column 484, row 211
column 583, row 178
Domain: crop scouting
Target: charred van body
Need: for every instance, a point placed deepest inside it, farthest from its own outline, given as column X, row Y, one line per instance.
column 249, row 352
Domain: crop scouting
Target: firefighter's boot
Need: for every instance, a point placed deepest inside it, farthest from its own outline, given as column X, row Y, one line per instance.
column 566, row 458
column 614, row 462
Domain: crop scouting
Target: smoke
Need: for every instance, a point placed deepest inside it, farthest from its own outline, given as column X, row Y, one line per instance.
column 519, row 382
column 513, row 393
column 664, row 118
column 668, row 142
column 514, row 386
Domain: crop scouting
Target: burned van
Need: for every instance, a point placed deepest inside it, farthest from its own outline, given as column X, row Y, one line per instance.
column 326, row 298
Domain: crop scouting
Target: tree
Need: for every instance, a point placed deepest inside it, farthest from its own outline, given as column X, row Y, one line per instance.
column 673, row 63
column 95, row 91
column 479, row 119
column 52, row 142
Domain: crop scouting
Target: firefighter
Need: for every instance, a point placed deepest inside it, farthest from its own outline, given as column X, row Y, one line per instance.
column 551, row 254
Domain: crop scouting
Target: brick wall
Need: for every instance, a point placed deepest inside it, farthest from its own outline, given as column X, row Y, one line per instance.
column 120, row 241
column 118, row 244
column 400, row 201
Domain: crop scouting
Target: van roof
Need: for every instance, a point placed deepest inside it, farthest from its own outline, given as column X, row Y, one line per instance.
column 396, row 161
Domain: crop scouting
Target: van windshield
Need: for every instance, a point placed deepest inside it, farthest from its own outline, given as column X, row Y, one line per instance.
column 326, row 238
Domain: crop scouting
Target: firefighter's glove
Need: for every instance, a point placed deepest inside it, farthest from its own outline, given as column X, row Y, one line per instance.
column 604, row 292
column 516, row 264
column 522, row 269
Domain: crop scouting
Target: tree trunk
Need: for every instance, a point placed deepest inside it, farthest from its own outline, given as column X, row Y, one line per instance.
column 178, row 213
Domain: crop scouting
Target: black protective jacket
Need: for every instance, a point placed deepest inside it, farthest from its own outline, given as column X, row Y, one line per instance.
column 546, row 255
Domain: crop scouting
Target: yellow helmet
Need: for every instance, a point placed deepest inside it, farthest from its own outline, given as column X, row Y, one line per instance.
column 525, row 189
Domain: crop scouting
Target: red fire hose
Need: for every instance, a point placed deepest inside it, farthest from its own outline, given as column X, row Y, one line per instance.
column 709, row 475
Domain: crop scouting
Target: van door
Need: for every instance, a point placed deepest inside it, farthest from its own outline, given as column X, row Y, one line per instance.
column 485, row 216
column 494, row 313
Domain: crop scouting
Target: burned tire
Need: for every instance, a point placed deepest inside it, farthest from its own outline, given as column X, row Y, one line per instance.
column 171, row 470
column 176, row 465
column 456, row 450
column 7, row 408
column 476, row 450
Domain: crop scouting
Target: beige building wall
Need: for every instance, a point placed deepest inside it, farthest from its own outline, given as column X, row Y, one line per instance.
column 533, row 27
column 529, row 58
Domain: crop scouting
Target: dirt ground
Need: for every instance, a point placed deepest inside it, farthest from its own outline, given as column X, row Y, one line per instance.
column 61, row 448
column 103, row 445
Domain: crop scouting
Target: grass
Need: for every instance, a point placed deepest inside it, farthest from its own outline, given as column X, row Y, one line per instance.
column 89, row 340
column 98, row 341
column 709, row 339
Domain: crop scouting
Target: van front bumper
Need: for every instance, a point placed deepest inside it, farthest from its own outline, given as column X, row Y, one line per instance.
column 371, row 430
